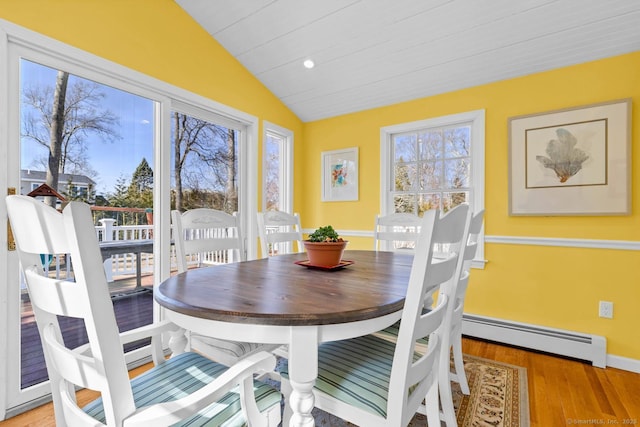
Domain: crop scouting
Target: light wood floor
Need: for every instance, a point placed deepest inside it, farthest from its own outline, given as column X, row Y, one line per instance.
column 562, row 392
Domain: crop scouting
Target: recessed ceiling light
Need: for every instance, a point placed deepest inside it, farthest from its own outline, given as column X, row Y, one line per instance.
column 308, row 63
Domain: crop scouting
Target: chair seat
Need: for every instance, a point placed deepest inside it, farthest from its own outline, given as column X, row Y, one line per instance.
column 227, row 352
column 391, row 334
column 355, row 371
column 182, row 375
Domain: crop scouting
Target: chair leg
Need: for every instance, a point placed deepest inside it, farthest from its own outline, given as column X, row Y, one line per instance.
column 446, row 397
column 285, row 389
column 274, row 417
column 431, row 406
column 460, row 374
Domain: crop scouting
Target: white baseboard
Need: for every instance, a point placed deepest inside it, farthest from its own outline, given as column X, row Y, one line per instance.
column 624, row 363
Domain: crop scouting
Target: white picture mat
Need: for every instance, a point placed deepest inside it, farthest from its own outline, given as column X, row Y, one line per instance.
column 534, row 191
column 340, row 175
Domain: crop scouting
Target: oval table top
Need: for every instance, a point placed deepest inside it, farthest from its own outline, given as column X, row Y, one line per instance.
column 276, row 291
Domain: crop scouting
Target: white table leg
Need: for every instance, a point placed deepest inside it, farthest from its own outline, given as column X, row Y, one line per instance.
column 303, row 371
column 177, row 341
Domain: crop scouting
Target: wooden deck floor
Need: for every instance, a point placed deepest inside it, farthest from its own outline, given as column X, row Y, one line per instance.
column 133, row 308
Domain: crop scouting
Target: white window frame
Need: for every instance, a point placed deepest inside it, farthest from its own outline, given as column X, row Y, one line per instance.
column 477, row 120
column 17, row 42
column 244, row 173
column 286, row 165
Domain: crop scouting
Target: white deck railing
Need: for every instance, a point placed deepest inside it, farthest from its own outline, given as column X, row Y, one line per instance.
column 117, row 265
column 125, row 264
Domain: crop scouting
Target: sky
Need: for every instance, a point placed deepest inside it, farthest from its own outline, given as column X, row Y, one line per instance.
column 111, row 160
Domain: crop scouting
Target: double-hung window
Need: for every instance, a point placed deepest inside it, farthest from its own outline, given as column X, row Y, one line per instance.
column 435, row 163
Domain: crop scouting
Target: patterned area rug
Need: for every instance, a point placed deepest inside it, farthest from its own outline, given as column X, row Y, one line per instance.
column 499, row 398
column 499, row 395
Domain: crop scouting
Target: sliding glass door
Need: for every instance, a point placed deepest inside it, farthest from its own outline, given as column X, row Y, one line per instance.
column 78, row 127
column 93, row 143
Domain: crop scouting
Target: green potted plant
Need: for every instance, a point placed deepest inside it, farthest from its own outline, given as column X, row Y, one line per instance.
column 324, row 247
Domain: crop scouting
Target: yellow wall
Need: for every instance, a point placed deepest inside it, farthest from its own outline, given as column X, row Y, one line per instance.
column 157, row 38
column 551, row 286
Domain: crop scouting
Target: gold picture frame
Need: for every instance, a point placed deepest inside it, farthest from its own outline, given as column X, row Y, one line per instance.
column 574, row 161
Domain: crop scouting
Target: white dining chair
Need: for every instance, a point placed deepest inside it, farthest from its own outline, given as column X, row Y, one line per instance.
column 206, row 237
column 370, row 381
column 396, row 232
column 458, row 374
column 185, row 388
column 279, row 233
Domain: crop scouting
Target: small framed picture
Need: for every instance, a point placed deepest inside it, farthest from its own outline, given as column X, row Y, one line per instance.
column 340, row 175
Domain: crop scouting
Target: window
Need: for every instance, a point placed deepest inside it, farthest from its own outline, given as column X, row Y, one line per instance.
column 277, row 176
column 204, row 161
column 431, row 168
column 433, row 164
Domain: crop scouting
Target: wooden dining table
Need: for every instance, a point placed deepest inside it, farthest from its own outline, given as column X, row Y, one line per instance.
column 276, row 301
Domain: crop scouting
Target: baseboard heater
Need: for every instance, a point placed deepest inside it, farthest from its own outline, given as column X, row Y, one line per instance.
column 556, row 341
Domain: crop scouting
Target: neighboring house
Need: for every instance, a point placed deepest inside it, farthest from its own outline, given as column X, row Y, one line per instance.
column 80, row 184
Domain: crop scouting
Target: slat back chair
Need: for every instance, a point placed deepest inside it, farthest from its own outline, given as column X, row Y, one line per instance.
column 187, row 386
column 456, row 290
column 370, row 381
column 458, row 374
column 396, row 231
column 278, row 232
column 210, row 234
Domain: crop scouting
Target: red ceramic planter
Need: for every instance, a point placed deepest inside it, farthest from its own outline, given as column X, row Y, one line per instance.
column 324, row 254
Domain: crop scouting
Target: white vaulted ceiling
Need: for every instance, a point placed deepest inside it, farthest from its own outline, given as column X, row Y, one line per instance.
column 370, row 53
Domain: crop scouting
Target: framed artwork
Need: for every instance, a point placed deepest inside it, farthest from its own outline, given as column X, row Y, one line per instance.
column 575, row 161
column 340, row 175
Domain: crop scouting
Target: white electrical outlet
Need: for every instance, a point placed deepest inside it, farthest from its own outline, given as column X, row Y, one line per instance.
column 606, row 309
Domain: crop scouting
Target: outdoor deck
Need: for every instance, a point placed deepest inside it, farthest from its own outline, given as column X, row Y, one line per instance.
column 132, row 308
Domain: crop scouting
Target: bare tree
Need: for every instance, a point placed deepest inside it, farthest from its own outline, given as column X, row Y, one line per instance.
column 232, row 187
column 272, row 174
column 204, row 160
column 62, row 119
column 56, row 134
